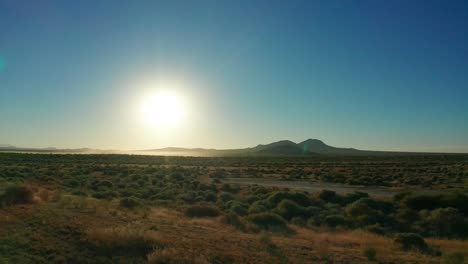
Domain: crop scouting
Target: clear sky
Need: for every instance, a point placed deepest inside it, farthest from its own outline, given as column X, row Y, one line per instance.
column 384, row 75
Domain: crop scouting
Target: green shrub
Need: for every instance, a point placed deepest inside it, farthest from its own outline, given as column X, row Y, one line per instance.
column 72, row 183
column 300, row 198
column 334, row 220
column 456, row 200
column 226, row 197
column 398, row 197
column 251, row 198
column 257, row 207
column 105, row 194
column 406, row 216
column 129, row 202
column 237, row 207
column 447, row 222
column 376, row 229
column 267, row 220
column 420, row 202
column 79, row 193
column 16, row 194
column 202, row 211
column 313, row 210
column 210, row 196
column 231, row 188
column 233, row 219
column 288, row 209
column 358, row 208
column 105, row 184
column 298, row 220
column 411, row 241
column 327, row 195
column 354, row 196
column 370, row 253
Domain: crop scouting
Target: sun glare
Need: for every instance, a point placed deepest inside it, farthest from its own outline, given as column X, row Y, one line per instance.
column 163, row 110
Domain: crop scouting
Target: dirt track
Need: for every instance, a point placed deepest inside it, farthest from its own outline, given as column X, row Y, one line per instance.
column 318, row 186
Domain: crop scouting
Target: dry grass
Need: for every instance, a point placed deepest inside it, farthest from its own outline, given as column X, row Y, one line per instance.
column 163, row 235
column 13, row 214
column 123, row 240
column 208, row 239
column 450, row 246
column 175, row 256
column 346, row 246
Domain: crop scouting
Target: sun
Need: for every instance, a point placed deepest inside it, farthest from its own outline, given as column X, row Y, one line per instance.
column 163, row 109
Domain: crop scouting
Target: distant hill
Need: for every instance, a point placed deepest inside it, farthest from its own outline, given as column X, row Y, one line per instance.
column 283, row 148
column 9, row 148
column 308, row 147
column 317, row 146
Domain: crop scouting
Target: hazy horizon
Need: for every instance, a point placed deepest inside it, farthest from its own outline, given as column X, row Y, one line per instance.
column 430, row 150
column 371, row 75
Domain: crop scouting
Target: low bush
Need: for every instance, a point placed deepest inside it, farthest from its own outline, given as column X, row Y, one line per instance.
column 267, row 220
column 354, row 196
column 299, row 221
column 231, row 188
column 300, row 198
column 233, row 219
column 406, row 216
column 411, row 241
column 237, row 207
column 259, row 206
column 359, row 207
column 420, row 202
column 334, row 220
column 16, row 194
column 456, row 200
column 376, row 229
column 447, row 222
column 370, row 253
column 289, row 209
column 256, row 208
column 79, row 193
column 129, row 202
column 327, row 195
column 202, row 211
column 226, row 197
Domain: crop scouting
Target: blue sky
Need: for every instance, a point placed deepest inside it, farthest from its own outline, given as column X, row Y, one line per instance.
column 387, row 75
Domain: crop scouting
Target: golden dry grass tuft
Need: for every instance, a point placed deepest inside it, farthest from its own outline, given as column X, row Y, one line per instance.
column 346, row 246
column 175, row 256
column 126, row 240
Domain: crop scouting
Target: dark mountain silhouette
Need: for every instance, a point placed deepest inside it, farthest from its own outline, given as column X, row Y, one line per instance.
column 317, row 146
column 280, row 148
column 10, row 148
column 309, row 147
column 283, row 148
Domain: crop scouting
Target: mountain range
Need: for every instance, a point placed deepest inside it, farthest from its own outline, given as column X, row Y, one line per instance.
column 309, row 147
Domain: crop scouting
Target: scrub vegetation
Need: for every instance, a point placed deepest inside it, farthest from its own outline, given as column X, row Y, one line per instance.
column 121, row 208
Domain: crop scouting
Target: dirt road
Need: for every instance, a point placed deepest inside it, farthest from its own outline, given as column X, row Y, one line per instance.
column 319, row 186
